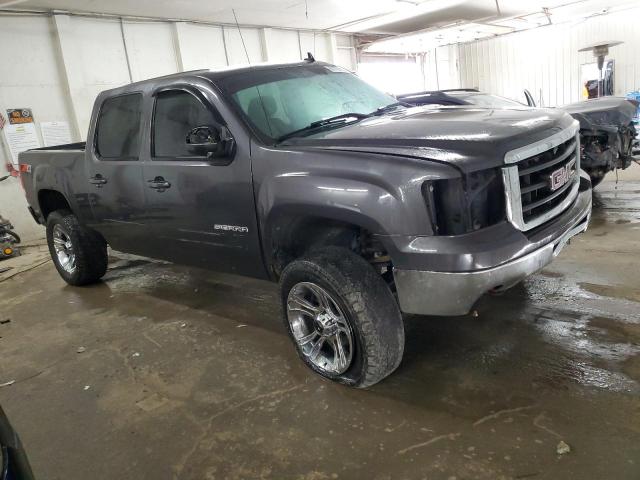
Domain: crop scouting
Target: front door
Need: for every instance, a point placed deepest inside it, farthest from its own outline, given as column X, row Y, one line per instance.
column 202, row 212
column 114, row 173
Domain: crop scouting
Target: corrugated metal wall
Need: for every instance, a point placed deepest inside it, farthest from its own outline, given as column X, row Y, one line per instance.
column 546, row 60
column 441, row 68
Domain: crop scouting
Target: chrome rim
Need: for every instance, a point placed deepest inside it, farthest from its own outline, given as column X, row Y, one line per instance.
column 64, row 249
column 320, row 328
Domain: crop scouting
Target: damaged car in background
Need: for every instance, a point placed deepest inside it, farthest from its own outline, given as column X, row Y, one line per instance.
column 607, row 132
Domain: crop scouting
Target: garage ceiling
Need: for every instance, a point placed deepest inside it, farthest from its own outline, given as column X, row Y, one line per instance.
column 419, row 23
column 506, row 16
column 313, row 14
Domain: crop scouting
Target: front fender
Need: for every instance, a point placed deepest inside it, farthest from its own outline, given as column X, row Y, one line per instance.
column 381, row 193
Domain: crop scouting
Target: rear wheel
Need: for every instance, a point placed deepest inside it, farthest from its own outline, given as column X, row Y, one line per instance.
column 79, row 253
column 342, row 317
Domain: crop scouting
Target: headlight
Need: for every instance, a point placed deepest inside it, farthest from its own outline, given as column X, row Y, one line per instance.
column 465, row 204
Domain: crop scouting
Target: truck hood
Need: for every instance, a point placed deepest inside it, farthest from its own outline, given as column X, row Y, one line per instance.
column 469, row 138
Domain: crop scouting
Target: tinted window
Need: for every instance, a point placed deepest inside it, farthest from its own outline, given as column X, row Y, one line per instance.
column 176, row 114
column 118, row 131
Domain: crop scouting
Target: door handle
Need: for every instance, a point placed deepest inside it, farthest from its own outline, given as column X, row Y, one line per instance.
column 98, row 180
column 159, row 184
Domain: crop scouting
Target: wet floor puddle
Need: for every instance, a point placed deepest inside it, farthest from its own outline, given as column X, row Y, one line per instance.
column 612, row 291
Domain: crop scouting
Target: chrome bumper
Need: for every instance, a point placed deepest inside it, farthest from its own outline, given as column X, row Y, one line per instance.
column 454, row 293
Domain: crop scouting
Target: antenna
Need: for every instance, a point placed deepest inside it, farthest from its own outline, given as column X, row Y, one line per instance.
column 246, row 52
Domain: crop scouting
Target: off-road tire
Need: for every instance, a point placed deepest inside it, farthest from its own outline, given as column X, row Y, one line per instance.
column 369, row 306
column 90, row 249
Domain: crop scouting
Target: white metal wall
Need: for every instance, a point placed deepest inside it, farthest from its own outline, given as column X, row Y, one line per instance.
column 546, row 60
column 441, row 68
column 194, row 45
column 435, row 69
column 57, row 65
column 30, row 75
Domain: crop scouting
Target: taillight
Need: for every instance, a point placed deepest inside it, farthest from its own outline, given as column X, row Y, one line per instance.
column 22, row 168
column 12, row 171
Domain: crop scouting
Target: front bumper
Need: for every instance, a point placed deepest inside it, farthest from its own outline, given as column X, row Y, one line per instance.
column 426, row 292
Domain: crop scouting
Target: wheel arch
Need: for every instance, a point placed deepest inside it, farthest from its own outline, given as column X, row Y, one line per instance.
column 50, row 200
column 292, row 232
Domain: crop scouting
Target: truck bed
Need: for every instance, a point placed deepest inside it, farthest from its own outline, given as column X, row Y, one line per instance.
column 67, row 146
column 60, row 168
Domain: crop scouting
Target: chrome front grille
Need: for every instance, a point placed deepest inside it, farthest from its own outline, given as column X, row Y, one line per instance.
column 542, row 179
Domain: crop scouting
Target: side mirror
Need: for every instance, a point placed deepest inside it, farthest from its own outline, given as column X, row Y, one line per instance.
column 211, row 142
column 530, row 101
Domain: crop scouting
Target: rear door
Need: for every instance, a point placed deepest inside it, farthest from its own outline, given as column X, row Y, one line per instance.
column 114, row 172
column 201, row 212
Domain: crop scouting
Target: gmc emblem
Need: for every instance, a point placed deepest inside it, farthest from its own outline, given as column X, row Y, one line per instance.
column 560, row 177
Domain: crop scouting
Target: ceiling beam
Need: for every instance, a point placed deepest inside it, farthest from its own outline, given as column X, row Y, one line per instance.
column 10, row 3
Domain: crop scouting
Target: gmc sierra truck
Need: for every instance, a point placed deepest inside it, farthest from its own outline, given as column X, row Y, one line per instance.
column 359, row 206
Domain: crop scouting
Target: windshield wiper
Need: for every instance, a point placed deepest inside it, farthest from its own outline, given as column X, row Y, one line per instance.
column 338, row 119
column 388, row 108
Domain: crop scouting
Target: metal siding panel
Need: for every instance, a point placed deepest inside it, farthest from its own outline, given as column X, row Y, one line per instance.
column 566, row 69
column 462, row 65
column 494, row 73
column 470, row 49
column 547, row 59
column 550, row 60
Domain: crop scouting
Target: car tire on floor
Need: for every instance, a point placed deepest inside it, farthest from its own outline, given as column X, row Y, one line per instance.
column 342, row 317
column 79, row 253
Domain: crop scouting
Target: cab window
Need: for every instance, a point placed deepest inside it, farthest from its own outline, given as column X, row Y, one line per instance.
column 118, row 128
column 177, row 113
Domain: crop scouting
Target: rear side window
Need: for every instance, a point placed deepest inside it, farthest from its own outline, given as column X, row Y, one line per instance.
column 176, row 113
column 118, row 130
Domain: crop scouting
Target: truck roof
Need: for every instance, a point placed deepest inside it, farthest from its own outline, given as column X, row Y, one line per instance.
column 231, row 70
column 218, row 74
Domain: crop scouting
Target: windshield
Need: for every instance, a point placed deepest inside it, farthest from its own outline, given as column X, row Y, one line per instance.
column 284, row 100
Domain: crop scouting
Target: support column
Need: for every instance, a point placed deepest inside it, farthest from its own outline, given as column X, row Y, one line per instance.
column 178, row 28
column 265, row 43
column 333, row 48
column 72, row 69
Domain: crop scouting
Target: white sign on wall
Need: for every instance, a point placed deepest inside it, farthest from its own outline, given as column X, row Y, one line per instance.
column 55, row 133
column 21, row 132
column 21, row 137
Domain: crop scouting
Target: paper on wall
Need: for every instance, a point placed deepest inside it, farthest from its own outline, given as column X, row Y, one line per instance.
column 21, row 137
column 55, row 133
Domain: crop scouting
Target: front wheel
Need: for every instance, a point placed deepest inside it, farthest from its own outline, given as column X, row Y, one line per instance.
column 342, row 317
column 79, row 253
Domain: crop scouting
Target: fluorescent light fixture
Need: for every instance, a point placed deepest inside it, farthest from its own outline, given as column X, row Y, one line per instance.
column 405, row 10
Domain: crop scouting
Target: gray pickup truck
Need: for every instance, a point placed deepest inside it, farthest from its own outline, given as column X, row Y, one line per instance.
column 360, row 206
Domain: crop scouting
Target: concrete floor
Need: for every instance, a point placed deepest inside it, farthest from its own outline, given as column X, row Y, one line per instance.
column 188, row 374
